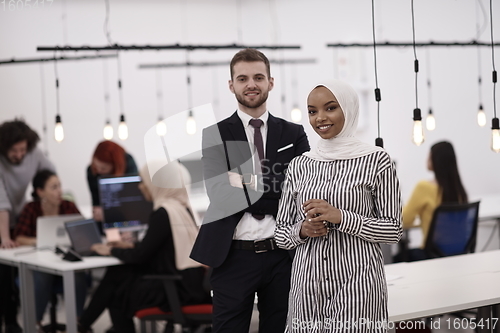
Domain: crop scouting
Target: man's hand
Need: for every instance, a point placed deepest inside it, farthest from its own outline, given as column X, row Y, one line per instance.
column 235, row 179
column 8, row 243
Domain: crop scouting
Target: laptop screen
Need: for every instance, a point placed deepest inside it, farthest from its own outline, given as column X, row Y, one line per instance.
column 50, row 230
column 83, row 234
column 123, row 204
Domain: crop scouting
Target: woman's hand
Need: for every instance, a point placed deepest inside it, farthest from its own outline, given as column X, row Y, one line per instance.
column 318, row 210
column 101, row 249
column 97, row 213
column 312, row 229
column 121, row 245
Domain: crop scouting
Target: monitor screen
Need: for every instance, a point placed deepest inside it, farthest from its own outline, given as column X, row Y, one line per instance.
column 123, row 204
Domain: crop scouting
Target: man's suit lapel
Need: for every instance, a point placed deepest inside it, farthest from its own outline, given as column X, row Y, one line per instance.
column 273, row 135
column 237, row 145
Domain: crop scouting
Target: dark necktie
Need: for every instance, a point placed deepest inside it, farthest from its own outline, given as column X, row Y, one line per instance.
column 259, row 144
column 257, row 140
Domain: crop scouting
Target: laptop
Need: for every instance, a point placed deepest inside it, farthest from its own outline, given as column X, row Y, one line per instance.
column 82, row 234
column 51, row 232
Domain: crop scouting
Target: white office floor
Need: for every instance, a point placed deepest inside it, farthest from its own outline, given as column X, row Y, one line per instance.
column 488, row 239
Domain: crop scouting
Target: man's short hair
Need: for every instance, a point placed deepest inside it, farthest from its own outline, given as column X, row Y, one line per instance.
column 12, row 132
column 249, row 55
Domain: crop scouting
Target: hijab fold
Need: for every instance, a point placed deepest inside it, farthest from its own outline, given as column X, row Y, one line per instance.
column 175, row 200
column 345, row 145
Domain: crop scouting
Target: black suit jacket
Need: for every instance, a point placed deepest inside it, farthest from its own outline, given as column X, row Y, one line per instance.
column 226, row 148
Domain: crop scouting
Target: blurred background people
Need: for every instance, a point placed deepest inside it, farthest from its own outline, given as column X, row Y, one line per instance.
column 446, row 187
column 20, row 159
column 164, row 250
column 47, row 201
column 109, row 159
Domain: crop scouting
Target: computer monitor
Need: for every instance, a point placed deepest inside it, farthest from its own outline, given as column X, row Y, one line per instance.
column 123, row 204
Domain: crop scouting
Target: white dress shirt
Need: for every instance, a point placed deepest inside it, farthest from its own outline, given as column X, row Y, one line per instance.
column 249, row 228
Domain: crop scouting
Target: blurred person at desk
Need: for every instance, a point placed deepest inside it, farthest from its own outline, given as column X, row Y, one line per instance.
column 109, row 159
column 446, row 187
column 20, row 159
column 47, row 201
column 164, row 249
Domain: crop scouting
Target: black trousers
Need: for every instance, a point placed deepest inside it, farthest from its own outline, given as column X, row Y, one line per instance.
column 9, row 295
column 235, row 283
column 107, row 295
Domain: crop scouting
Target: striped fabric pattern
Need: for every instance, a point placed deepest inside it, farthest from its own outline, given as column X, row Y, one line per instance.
column 338, row 281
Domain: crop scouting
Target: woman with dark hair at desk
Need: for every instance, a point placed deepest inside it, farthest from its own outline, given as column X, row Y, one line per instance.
column 429, row 194
column 109, row 159
column 446, row 187
column 164, row 250
column 47, row 201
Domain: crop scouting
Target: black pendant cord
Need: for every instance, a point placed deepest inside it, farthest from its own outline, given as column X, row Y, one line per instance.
column 120, row 90
column 189, row 90
column 480, row 30
column 494, row 74
column 57, row 91
column 429, row 85
column 106, row 93
column 159, row 94
column 415, row 55
column 44, row 112
column 378, row 97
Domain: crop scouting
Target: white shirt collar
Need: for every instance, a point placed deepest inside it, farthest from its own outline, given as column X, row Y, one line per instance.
column 245, row 118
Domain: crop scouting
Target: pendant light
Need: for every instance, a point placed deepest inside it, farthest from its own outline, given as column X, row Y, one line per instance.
column 122, row 127
column 418, row 131
column 58, row 130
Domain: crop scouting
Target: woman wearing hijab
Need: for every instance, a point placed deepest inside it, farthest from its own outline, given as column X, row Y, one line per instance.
column 164, row 250
column 339, row 203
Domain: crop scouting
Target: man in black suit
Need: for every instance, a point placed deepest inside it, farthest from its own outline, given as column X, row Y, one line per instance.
column 244, row 160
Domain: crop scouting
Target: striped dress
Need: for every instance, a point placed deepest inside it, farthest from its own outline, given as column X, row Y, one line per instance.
column 338, row 281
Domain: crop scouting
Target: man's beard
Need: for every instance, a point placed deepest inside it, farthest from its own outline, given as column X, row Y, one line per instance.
column 16, row 161
column 254, row 104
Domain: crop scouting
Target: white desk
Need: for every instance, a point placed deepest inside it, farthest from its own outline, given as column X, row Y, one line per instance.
column 48, row 262
column 437, row 286
column 489, row 208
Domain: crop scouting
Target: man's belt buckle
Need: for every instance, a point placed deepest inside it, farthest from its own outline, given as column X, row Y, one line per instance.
column 260, row 245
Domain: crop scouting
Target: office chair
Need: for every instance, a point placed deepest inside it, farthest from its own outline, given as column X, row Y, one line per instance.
column 453, row 230
column 184, row 316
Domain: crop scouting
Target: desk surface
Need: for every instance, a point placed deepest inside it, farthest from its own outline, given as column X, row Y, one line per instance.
column 489, row 208
column 48, row 259
column 431, row 287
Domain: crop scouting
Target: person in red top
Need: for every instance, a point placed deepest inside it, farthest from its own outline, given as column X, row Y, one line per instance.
column 47, row 201
column 47, row 195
